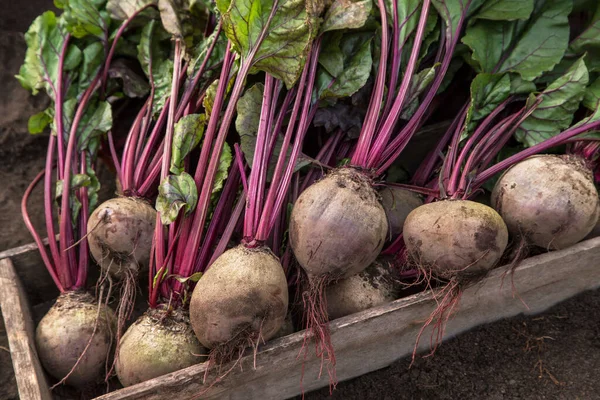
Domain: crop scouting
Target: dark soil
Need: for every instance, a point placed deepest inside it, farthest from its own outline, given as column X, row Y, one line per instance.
column 555, row 355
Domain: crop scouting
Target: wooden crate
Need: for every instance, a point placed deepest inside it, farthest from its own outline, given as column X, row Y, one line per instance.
column 364, row 342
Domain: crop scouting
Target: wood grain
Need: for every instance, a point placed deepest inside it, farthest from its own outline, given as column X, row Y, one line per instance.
column 19, row 327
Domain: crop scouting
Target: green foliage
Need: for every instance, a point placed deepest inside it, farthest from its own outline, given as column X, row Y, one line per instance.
column 176, row 193
column 287, row 33
column 528, row 47
column 186, row 136
column 559, row 102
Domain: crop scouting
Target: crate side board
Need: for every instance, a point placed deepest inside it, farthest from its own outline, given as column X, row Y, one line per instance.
column 35, row 279
column 375, row 338
column 29, row 374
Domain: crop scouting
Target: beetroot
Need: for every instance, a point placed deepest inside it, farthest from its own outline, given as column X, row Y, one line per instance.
column 376, row 285
column 120, row 234
column 551, row 201
column 398, row 203
column 157, row 343
column 455, row 237
column 76, row 330
column 338, row 226
column 244, row 291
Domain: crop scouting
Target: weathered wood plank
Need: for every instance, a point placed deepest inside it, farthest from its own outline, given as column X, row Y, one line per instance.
column 375, row 338
column 30, row 269
column 19, row 327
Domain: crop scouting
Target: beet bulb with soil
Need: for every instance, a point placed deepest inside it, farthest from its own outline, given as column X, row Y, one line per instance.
column 243, row 296
column 338, row 225
column 378, row 284
column 157, row 343
column 74, row 338
column 120, row 234
column 548, row 200
column 455, row 238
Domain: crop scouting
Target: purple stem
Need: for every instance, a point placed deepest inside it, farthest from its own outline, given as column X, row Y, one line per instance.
column 450, row 160
column 398, row 144
column 36, row 237
column 148, row 184
column 385, row 134
column 219, row 218
column 159, row 251
column 113, row 152
column 67, row 253
column 187, row 94
column 368, row 130
column 239, row 160
column 259, row 234
column 58, row 108
column 323, row 157
column 201, row 212
column 270, row 218
column 48, row 186
column 83, row 221
column 487, row 150
column 260, row 163
column 128, row 161
column 557, row 140
column 154, row 135
column 205, row 154
column 427, row 167
column 396, row 57
column 233, row 221
column 471, row 141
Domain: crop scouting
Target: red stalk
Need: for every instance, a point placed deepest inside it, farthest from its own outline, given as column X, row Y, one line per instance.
column 308, row 114
column 427, row 167
column 219, row 218
column 385, row 133
column 239, row 160
column 159, row 252
column 36, row 237
column 113, row 153
column 185, row 99
column 201, row 211
column 368, row 130
column 395, row 146
column 65, row 225
column 200, row 173
column 258, row 174
column 148, row 149
column 58, row 108
column 396, row 57
column 557, row 140
column 233, row 221
column 471, row 141
column 83, row 221
column 324, row 157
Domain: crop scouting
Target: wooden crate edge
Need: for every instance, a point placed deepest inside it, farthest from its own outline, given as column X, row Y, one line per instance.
column 29, row 374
